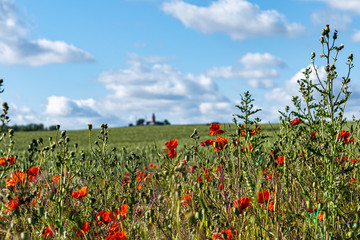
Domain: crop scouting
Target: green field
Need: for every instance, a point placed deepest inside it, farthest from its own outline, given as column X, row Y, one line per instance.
column 131, row 137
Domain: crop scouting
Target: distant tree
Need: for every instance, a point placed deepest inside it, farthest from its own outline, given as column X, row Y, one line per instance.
column 140, row 122
column 166, row 122
column 52, row 128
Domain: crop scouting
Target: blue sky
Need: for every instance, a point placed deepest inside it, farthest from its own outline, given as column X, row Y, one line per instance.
column 78, row 62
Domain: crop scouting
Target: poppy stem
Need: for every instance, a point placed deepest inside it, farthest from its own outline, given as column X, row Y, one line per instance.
column 223, row 189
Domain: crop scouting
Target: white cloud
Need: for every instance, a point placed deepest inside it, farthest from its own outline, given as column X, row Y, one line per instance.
column 335, row 20
column 356, row 36
column 15, row 48
column 255, row 70
column 284, row 95
column 238, row 18
column 251, row 60
column 348, row 5
column 148, row 85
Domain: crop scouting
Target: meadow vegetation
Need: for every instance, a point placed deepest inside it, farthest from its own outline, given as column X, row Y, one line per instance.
column 218, row 181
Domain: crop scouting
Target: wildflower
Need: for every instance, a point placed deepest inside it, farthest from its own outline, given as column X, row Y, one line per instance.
column 186, row 200
column 215, row 129
column 48, row 232
column 12, row 204
column 17, row 177
column 273, row 154
column 313, row 135
column 79, row 193
column 263, row 196
column 320, row 216
column 34, row 173
column 281, row 160
column 272, row 175
column 85, row 227
column 271, row 205
column 227, row 233
column 124, row 209
column 352, row 180
column 296, row 121
column 54, row 179
column 220, row 143
column 207, row 142
column 6, row 161
column 242, row 204
column 105, row 217
column 115, row 233
column 171, row 145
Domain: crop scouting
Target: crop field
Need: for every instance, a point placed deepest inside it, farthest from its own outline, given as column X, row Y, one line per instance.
column 298, row 179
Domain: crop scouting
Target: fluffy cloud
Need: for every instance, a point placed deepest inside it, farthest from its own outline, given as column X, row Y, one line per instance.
column 255, row 70
column 348, row 5
column 335, row 20
column 15, row 48
column 238, row 18
column 148, row 85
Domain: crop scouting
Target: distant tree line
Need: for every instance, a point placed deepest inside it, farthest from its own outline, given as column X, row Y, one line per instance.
column 29, row 127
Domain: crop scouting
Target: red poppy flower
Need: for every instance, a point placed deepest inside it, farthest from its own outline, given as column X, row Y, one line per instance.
column 79, row 193
column 207, row 142
column 263, row 196
column 281, row 160
column 186, row 200
column 313, row 134
column 48, row 232
column 34, row 173
column 171, row 145
column 5, row 161
column 296, row 121
column 55, row 178
column 242, row 203
column 272, row 175
column 215, row 129
column 219, row 236
column 271, row 205
column 105, row 217
column 12, row 204
column 85, row 227
column 320, row 216
column 115, row 233
column 220, row 143
column 17, row 178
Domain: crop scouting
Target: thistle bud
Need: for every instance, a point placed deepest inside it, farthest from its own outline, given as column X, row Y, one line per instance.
column 350, row 57
column 89, row 126
column 335, row 35
column 323, row 32
column 57, row 127
column 341, row 47
column 5, row 106
column 327, row 28
column 322, row 39
column 312, row 55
